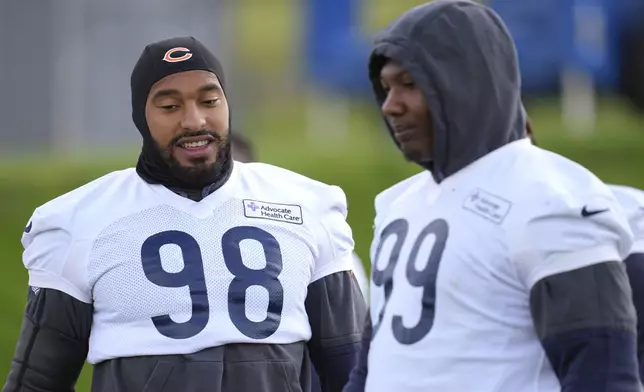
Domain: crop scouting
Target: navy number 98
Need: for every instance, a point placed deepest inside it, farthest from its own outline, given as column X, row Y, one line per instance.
column 192, row 276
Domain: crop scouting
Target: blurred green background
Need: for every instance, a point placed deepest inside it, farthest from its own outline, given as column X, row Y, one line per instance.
column 363, row 162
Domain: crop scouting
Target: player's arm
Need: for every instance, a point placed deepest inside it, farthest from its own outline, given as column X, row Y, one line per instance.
column 580, row 297
column 635, row 269
column 54, row 337
column 52, row 345
column 336, row 312
column 334, row 303
column 358, row 376
column 632, row 201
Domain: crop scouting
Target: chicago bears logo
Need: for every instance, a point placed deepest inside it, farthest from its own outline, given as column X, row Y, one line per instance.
column 175, row 59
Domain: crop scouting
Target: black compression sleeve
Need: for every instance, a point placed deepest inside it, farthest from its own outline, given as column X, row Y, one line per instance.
column 337, row 311
column 635, row 269
column 358, row 377
column 586, row 322
column 53, row 343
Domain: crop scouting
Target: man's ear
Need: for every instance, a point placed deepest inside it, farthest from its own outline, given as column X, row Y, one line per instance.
column 528, row 129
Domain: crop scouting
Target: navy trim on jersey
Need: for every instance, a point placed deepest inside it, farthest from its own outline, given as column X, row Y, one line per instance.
column 586, row 322
column 635, row 269
column 52, row 345
column 358, row 376
column 234, row 367
column 336, row 311
column 594, row 360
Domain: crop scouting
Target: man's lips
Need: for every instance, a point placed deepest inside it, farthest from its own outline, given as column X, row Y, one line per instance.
column 194, row 141
column 404, row 133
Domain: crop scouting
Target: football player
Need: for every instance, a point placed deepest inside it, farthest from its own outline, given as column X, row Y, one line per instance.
column 244, row 151
column 632, row 201
column 498, row 268
column 191, row 272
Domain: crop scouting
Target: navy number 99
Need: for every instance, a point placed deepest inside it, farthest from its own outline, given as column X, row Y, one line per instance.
column 425, row 278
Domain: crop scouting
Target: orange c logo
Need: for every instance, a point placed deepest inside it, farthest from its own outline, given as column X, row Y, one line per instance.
column 168, row 55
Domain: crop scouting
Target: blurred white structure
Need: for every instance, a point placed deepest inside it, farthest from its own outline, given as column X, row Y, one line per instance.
column 68, row 65
column 578, row 101
column 327, row 118
column 578, row 89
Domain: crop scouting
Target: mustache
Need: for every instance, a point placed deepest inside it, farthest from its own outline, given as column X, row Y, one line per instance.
column 203, row 132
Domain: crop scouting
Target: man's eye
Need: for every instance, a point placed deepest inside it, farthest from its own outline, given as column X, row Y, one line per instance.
column 169, row 107
column 211, row 102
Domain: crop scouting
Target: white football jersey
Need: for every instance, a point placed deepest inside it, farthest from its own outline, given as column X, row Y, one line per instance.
column 454, row 263
column 632, row 201
column 167, row 275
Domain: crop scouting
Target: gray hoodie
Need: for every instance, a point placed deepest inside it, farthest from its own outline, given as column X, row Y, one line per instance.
column 464, row 60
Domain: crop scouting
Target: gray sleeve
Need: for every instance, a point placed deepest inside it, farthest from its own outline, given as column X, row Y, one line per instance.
column 358, row 377
column 635, row 268
column 53, row 343
column 337, row 311
column 586, row 322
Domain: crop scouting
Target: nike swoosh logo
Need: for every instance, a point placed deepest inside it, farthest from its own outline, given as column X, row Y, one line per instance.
column 586, row 213
column 28, row 228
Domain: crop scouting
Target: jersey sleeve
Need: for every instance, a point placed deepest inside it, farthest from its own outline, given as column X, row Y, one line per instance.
column 632, row 201
column 562, row 233
column 636, row 220
column 49, row 257
column 335, row 248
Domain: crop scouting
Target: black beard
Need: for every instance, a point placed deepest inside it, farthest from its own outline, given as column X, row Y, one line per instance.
column 201, row 174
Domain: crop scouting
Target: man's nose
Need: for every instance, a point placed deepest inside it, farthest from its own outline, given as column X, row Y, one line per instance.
column 393, row 105
column 193, row 118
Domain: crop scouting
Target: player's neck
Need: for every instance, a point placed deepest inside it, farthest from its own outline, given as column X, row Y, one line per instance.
column 152, row 169
column 200, row 194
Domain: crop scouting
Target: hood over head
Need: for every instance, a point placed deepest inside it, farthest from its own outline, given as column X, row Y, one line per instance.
column 158, row 60
column 464, row 60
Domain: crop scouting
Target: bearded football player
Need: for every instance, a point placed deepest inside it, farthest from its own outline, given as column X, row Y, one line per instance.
column 190, row 272
column 499, row 267
column 244, row 151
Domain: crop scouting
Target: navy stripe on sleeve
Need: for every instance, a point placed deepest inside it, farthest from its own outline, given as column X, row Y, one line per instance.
column 635, row 269
column 594, row 360
column 358, row 376
column 586, row 322
column 336, row 310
